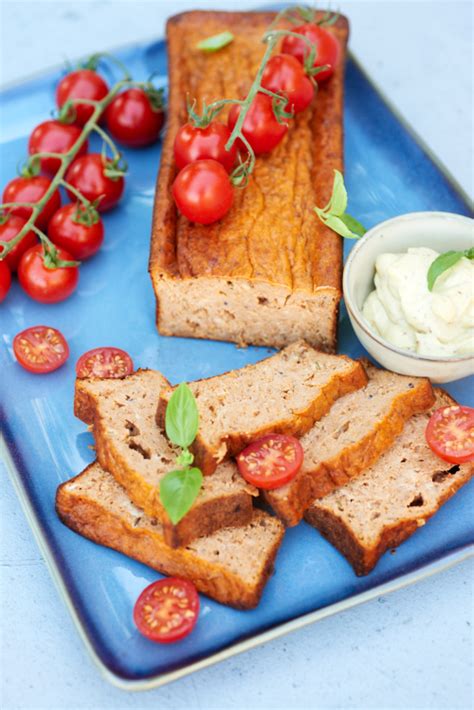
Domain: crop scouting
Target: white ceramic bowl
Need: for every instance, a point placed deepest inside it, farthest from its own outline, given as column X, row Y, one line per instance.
column 441, row 231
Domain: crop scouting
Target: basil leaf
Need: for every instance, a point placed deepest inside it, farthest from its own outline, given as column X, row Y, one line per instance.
column 216, row 42
column 178, row 491
column 182, row 417
column 442, row 263
column 338, row 202
column 338, row 226
column 356, row 227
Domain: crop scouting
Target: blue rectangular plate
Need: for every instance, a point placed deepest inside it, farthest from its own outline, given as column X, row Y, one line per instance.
column 387, row 173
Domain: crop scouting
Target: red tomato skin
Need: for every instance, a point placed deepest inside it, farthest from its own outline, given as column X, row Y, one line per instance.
column 193, row 143
column 328, row 49
column 284, row 74
column 146, row 598
column 80, row 240
column 37, row 336
column 43, row 284
column 32, row 189
column 98, row 362
column 439, row 447
column 5, row 280
column 279, row 478
column 131, row 119
column 203, row 192
column 54, row 137
column 86, row 174
column 81, row 84
column 8, row 231
column 260, row 126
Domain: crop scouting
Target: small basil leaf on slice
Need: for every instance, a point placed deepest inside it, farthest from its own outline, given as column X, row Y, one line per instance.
column 441, row 264
column 356, row 227
column 182, row 417
column 178, row 491
column 338, row 226
column 338, row 202
column 216, row 42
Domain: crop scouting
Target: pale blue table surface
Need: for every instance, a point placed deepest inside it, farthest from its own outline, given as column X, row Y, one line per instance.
column 413, row 649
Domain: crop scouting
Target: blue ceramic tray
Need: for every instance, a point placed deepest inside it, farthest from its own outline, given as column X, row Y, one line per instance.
column 387, row 173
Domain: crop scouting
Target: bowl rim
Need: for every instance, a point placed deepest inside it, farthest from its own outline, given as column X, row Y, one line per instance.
column 356, row 313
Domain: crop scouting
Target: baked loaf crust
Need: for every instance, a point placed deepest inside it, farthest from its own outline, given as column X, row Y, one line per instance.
column 231, row 566
column 392, row 499
column 286, row 393
column 131, row 447
column 269, row 272
column 356, row 431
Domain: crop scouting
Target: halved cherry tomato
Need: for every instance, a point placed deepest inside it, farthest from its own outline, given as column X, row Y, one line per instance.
column 40, row 349
column 194, row 143
column 86, row 174
column 43, row 284
column 203, row 192
column 108, row 363
column 167, row 610
column 81, row 84
column 328, row 49
column 284, row 74
column 54, row 137
column 261, row 127
column 31, row 189
column 5, row 280
column 8, row 231
column 450, row 433
column 133, row 120
column 80, row 239
column 271, row 461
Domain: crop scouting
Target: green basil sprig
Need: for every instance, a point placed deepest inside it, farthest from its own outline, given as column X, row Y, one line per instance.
column 216, row 42
column 179, row 489
column 334, row 214
column 445, row 261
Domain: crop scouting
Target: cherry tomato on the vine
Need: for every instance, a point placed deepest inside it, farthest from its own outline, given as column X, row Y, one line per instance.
column 203, row 192
column 261, row 127
column 328, row 49
column 69, row 229
column 86, row 174
column 10, row 225
column 54, row 137
column 167, row 610
column 271, row 461
column 31, row 189
column 43, row 284
column 81, row 84
column 133, row 120
column 40, row 349
column 5, row 280
column 284, row 74
column 106, row 362
column 450, row 433
column 194, row 143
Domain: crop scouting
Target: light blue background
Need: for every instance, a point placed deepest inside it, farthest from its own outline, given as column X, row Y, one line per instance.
column 410, row 650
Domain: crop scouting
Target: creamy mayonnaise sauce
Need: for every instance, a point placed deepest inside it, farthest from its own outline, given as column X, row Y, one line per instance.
column 403, row 311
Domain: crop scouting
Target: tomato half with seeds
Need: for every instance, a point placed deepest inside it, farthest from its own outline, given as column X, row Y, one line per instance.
column 328, row 49
column 194, row 143
column 167, row 610
column 284, row 74
column 107, row 363
column 40, row 349
column 271, row 461
column 5, row 280
column 10, row 225
column 450, row 433
column 81, row 84
column 32, row 189
column 261, row 127
column 54, row 137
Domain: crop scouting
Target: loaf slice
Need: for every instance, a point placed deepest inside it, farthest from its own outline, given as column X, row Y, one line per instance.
column 356, row 431
column 392, row 499
column 285, row 393
column 231, row 565
column 269, row 272
column 138, row 454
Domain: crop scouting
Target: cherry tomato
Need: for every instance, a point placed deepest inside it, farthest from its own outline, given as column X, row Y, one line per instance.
column 193, row 143
column 167, row 610
column 32, row 189
column 81, row 84
column 203, row 192
column 450, row 433
column 43, row 284
column 54, row 137
column 133, row 120
column 86, row 174
column 271, row 461
column 5, row 280
column 328, row 49
column 40, row 349
column 260, row 127
column 66, row 230
column 284, row 74
column 8, row 231
column 109, row 363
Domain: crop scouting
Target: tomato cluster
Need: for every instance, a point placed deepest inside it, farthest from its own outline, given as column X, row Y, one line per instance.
column 203, row 190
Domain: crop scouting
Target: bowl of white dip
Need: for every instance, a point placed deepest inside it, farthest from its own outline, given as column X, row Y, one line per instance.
column 404, row 326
